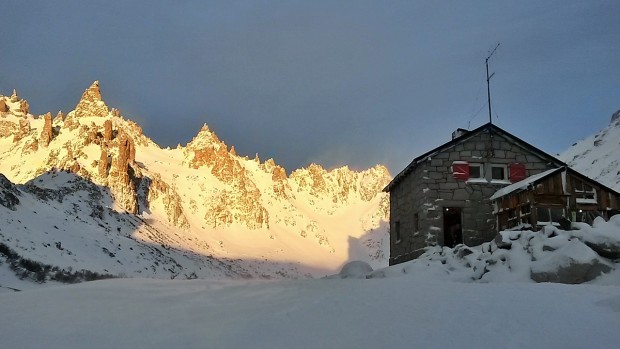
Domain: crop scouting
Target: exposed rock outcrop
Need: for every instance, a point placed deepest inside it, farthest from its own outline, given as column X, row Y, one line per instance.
column 91, row 104
column 14, row 98
column 281, row 188
column 341, row 183
column 107, row 130
column 8, row 193
column 23, row 131
column 240, row 204
column 120, row 181
column 171, row 200
column 8, row 128
column 46, row 133
column 103, row 165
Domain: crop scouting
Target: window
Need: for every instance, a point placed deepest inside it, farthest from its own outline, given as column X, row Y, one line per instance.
column 498, row 172
column 476, row 171
column 584, row 193
column 397, row 231
column 550, row 215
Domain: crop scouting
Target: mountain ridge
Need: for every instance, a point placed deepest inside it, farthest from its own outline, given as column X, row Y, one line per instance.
column 598, row 155
column 223, row 205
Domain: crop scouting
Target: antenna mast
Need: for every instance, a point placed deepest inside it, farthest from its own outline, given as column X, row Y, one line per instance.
column 486, row 62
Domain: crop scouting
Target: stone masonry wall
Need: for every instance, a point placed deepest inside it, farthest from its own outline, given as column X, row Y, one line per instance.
column 431, row 187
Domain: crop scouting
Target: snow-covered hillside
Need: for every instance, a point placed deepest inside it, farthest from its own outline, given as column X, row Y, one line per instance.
column 95, row 193
column 598, row 156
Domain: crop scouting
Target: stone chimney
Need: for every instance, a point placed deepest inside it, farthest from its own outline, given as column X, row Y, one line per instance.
column 459, row 132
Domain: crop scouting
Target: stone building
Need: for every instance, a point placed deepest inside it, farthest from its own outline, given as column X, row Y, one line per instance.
column 443, row 196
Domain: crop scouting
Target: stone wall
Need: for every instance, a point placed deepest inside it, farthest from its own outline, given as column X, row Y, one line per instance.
column 431, row 187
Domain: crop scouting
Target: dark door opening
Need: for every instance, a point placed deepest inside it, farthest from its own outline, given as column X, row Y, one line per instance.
column 452, row 228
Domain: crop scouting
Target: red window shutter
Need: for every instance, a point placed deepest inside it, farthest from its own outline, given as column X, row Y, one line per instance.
column 460, row 170
column 517, row 172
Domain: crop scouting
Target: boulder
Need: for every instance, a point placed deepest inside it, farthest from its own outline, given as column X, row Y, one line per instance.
column 573, row 263
column 355, row 270
column 502, row 240
column 605, row 248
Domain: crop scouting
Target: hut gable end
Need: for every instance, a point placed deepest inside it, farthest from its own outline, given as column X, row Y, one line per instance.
column 443, row 196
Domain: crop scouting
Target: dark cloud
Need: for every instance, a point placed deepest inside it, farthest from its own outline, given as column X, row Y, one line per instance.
column 348, row 82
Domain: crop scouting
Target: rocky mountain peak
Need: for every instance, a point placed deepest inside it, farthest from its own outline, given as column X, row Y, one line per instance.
column 615, row 117
column 91, row 103
column 14, row 105
column 205, row 138
column 202, row 187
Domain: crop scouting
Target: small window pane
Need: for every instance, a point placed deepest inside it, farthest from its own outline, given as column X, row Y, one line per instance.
column 475, row 172
column 498, row 172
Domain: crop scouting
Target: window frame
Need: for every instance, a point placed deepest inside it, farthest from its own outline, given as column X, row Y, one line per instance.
column 504, row 170
column 398, row 237
column 478, row 165
column 548, row 210
column 583, row 195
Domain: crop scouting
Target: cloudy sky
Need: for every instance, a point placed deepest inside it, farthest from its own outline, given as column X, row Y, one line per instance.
column 331, row 82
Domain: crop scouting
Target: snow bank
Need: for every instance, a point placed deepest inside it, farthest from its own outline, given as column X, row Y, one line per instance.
column 353, row 270
column 552, row 255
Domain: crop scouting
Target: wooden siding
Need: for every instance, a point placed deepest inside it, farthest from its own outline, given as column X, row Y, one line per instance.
column 551, row 193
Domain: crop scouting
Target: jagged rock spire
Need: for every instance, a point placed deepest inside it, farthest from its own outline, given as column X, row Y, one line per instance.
column 14, row 97
column 91, row 103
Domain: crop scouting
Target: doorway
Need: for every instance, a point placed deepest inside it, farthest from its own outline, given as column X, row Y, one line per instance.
column 452, row 227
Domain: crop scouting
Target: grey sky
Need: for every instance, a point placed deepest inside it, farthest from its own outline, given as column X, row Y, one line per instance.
column 332, row 82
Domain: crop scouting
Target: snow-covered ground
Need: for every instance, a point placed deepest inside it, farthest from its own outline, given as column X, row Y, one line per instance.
column 479, row 297
column 416, row 310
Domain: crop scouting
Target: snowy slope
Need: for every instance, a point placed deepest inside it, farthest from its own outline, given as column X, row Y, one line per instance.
column 598, row 156
column 62, row 220
column 201, row 200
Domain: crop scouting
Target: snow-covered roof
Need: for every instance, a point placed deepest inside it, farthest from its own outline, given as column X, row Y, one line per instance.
column 521, row 185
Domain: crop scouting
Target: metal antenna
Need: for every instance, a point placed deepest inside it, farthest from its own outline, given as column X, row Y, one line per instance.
column 486, row 62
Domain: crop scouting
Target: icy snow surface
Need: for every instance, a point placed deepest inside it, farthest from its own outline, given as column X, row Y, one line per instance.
column 479, row 297
column 410, row 311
